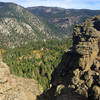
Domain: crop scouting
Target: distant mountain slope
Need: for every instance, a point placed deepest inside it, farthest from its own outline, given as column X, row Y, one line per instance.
column 19, row 26
column 64, row 19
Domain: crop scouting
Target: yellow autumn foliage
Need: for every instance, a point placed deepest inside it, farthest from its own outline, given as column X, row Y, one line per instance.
column 2, row 51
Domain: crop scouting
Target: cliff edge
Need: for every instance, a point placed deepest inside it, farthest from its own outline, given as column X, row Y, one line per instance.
column 16, row 88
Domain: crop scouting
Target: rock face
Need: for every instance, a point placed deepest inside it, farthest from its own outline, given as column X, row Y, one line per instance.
column 80, row 67
column 86, row 43
column 16, row 88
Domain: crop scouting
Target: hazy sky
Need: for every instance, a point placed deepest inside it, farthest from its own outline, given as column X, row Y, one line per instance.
column 86, row 4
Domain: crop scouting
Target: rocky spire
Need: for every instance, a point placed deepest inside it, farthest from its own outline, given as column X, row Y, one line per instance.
column 80, row 67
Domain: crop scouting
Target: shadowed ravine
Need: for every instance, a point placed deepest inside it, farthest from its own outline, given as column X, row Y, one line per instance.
column 61, row 79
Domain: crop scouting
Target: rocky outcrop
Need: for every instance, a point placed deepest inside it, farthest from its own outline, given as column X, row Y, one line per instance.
column 79, row 69
column 86, row 43
column 17, row 88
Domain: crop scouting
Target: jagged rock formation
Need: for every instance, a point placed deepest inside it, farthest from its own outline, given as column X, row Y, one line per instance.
column 80, row 67
column 86, row 79
column 16, row 88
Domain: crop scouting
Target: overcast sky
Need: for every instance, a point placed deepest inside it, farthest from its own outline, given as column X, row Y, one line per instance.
column 77, row 4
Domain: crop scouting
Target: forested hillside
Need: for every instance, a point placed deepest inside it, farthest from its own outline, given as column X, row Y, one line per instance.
column 63, row 19
column 37, row 59
column 19, row 26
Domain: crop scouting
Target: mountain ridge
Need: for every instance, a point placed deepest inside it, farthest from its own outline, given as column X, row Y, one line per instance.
column 64, row 19
column 19, row 26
